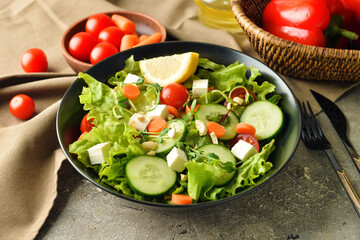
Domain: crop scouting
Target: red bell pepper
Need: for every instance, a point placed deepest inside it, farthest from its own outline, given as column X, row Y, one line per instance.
column 353, row 6
column 308, row 22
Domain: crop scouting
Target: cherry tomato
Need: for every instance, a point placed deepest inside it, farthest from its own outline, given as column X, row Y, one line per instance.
column 241, row 93
column 22, row 106
column 34, row 60
column 81, row 44
column 174, row 94
column 101, row 51
column 98, row 22
column 111, row 35
column 86, row 125
column 247, row 138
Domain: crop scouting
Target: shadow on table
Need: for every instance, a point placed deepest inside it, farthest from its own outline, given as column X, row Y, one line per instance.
column 68, row 180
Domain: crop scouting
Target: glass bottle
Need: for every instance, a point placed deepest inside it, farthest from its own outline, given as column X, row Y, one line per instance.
column 218, row 14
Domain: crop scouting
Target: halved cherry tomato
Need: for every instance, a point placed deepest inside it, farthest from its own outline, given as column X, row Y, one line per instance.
column 241, row 93
column 97, row 22
column 101, row 51
column 34, row 60
column 22, row 106
column 247, row 138
column 81, row 44
column 174, row 94
column 86, row 125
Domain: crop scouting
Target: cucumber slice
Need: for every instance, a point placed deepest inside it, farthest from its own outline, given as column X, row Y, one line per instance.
column 266, row 117
column 224, row 155
column 150, row 175
column 167, row 144
column 212, row 109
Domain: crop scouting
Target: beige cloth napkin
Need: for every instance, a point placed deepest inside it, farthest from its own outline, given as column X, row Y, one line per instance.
column 30, row 155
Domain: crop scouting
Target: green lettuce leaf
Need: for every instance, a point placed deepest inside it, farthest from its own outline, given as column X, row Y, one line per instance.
column 225, row 79
column 251, row 169
column 215, row 193
column 207, row 64
column 201, row 178
column 100, row 100
column 123, row 148
column 193, row 138
column 131, row 66
column 145, row 99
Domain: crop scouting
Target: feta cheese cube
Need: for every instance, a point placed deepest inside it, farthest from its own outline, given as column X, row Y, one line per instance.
column 213, row 137
column 201, row 127
column 176, row 159
column 131, row 78
column 200, row 87
column 243, row 150
column 161, row 110
column 139, row 121
column 183, row 177
column 99, row 153
column 172, row 133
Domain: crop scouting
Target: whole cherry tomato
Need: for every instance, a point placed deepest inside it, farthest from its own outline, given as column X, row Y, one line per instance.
column 101, row 51
column 111, row 35
column 98, row 22
column 81, row 44
column 22, row 106
column 34, row 60
column 247, row 138
column 174, row 94
column 86, row 125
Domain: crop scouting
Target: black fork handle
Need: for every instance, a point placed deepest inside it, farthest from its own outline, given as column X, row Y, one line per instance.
column 350, row 191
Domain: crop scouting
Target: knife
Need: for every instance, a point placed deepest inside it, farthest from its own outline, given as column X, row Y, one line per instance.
column 338, row 120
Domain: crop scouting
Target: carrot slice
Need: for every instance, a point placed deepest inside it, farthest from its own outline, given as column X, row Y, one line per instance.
column 245, row 128
column 180, row 199
column 187, row 109
column 131, row 91
column 216, row 128
column 128, row 41
column 143, row 37
column 211, row 88
column 172, row 110
column 125, row 24
column 134, row 34
column 82, row 135
column 154, row 38
column 156, row 125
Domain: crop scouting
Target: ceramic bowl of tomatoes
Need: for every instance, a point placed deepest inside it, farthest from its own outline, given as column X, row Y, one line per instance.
column 303, row 44
column 101, row 35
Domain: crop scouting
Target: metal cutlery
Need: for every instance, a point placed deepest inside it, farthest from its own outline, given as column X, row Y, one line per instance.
column 338, row 120
column 314, row 138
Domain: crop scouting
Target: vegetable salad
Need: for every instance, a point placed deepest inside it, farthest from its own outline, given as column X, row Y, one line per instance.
column 198, row 151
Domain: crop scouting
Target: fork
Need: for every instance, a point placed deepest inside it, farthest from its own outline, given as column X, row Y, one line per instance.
column 314, row 138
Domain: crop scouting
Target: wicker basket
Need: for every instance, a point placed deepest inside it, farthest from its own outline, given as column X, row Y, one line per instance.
column 290, row 58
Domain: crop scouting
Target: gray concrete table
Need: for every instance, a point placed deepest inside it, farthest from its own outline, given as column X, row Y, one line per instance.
column 304, row 201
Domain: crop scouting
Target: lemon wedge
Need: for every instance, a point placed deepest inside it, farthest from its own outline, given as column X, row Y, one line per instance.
column 164, row 70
